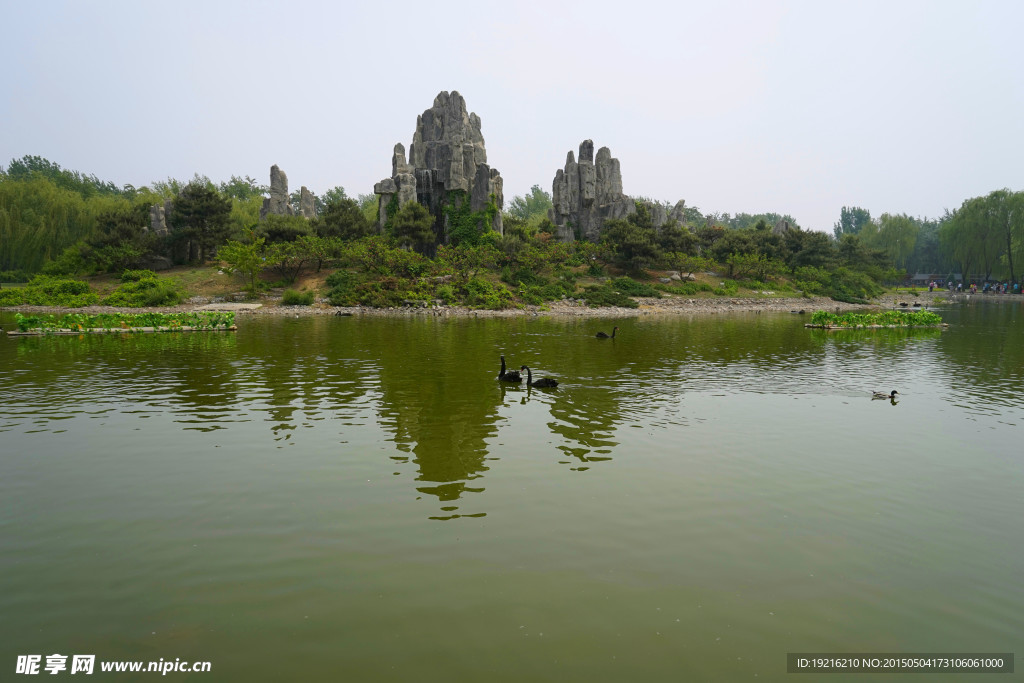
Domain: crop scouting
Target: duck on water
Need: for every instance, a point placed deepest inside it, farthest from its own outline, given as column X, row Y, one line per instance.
column 542, row 383
column 510, row 376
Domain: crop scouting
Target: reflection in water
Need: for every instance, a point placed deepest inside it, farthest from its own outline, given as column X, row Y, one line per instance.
column 430, row 385
column 693, row 499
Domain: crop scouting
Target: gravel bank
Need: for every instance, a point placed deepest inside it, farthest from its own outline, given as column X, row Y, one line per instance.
column 648, row 306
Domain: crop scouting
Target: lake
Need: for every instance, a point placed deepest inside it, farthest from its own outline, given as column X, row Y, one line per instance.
column 350, row 498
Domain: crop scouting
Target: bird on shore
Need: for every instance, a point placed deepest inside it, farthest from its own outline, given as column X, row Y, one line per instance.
column 510, row 376
column 891, row 396
column 542, row 383
column 605, row 335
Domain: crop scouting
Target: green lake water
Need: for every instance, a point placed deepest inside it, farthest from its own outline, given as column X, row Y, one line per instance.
column 357, row 499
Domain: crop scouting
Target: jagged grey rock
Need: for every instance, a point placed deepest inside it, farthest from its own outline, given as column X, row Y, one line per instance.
column 307, row 206
column 157, row 220
column 678, row 212
column 783, row 226
column 447, row 154
column 160, row 217
column 587, row 193
column 277, row 203
column 659, row 214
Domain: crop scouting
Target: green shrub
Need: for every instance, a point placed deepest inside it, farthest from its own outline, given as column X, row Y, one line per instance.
column 342, row 288
column 294, row 298
column 44, row 290
column 482, row 293
column 522, row 276
column 383, row 293
column 841, row 284
column 12, row 297
column 727, row 288
column 146, row 292
column 13, row 276
column 606, row 295
column 631, row 287
column 691, row 288
column 136, row 275
column 447, row 294
column 70, row 262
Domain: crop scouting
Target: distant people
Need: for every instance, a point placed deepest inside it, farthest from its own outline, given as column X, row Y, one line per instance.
column 950, row 285
column 974, row 288
column 931, row 286
column 960, row 286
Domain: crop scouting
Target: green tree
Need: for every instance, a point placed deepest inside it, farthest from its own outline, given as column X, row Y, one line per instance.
column 688, row 263
column 342, row 218
column 465, row 261
column 536, row 203
column 1005, row 211
column 854, row 253
column 897, row 235
column 283, row 228
column 635, row 247
column 245, row 259
column 673, row 237
column 810, row 248
column 242, row 189
column 87, row 186
column 852, row 220
column 369, row 204
column 201, row 216
column 331, row 196
column 121, row 240
column 413, row 226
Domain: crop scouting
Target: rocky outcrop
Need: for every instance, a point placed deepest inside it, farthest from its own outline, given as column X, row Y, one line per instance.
column 587, row 193
column 277, row 203
column 678, row 212
column 782, row 227
column 447, row 156
column 160, row 216
column 307, row 207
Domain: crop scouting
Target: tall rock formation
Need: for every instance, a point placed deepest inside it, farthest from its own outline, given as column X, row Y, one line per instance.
column 277, row 203
column 307, row 206
column 447, row 156
column 160, row 216
column 586, row 193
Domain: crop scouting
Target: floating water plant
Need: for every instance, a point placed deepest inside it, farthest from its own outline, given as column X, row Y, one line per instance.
column 76, row 323
column 827, row 320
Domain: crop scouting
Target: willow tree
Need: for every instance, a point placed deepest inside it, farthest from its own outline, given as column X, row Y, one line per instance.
column 896, row 236
column 1005, row 213
column 38, row 220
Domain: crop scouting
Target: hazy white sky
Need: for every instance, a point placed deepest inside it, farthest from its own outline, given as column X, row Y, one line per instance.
column 794, row 107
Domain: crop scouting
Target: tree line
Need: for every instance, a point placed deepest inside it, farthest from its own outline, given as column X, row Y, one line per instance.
column 68, row 222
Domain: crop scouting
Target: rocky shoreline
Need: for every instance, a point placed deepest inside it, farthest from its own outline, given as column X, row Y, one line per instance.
column 670, row 305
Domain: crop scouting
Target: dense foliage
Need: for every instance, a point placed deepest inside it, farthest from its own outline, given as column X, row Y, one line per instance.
column 66, row 224
column 877, row 319
column 44, row 290
column 199, row 320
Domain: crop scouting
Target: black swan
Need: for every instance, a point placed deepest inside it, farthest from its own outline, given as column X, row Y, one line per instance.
column 510, row 376
column 879, row 394
column 542, row 383
column 604, row 335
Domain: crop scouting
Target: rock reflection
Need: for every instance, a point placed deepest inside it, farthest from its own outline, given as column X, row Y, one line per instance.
column 440, row 403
